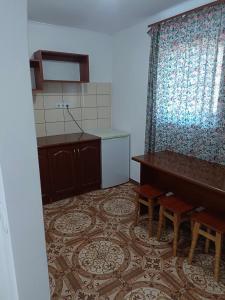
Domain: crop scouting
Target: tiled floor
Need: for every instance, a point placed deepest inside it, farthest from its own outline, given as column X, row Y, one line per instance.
column 96, row 252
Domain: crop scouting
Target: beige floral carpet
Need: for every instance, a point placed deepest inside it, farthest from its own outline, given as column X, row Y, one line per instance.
column 95, row 252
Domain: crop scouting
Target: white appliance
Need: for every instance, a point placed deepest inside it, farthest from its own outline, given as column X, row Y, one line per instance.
column 115, row 156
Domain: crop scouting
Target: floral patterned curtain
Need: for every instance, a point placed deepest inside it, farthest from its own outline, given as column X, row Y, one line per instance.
column 186, row 88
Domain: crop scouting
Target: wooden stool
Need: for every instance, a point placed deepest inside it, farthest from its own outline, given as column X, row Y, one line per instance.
column 176, row 210
column 148, row 196
column 211, row 223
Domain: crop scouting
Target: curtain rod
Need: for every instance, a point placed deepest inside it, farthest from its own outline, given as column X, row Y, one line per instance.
column 189, row 11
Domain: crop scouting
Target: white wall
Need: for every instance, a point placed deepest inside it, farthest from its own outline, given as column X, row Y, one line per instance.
column 18, row 160
column 8, row 287
column 66, row 39
column 130, row 75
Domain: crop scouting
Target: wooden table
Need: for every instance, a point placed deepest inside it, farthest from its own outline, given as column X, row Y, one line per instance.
column 198, row 181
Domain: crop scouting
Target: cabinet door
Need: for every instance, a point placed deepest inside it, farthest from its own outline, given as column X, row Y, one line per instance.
column 89, row 157
column 62, row 171
column 44, row 175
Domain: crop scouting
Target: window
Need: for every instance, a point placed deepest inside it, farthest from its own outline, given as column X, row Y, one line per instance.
column 188, row 81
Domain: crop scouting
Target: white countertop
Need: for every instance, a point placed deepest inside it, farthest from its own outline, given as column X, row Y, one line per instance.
column 107, row 133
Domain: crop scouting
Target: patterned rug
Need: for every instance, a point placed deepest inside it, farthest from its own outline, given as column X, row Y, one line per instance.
column 95, row 252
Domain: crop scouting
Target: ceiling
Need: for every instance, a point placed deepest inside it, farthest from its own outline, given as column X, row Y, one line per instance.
column 109, row 16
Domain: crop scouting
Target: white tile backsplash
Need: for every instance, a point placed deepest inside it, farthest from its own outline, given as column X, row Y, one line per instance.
column 52, row 101
column 38, row 101
column 89, row 88
column 104, row 123
column 89, row 124
column 76, row 112
column 71, row 127
column 71, row 88
column 103, row 100
column 89, row 101
column 54, row 115
column 89, row 113
column 52, row 88
column 40, row 130
column 104, row 88
column 39, row 116
column 73, row 101
column 90, row 104
column 55, row 128
column 104, row 112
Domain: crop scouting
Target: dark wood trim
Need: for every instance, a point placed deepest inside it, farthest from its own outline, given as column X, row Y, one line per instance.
column 63, row 56
column 67, row 81
column 188, row 12
column 35, row 91
column 36, row 65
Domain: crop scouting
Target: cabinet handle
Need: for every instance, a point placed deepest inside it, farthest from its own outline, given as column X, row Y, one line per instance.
column 76, row 150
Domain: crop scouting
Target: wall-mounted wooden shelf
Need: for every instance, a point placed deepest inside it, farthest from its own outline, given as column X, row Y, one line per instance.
column 79, row 59
column 82, row 60
column 36, row 66
column 72, row 81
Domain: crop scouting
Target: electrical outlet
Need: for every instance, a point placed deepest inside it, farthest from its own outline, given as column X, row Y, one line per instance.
column 66, row 105
column 60, row 105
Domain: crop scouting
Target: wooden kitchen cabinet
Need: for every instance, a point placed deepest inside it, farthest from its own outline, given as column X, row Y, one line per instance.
column 44, row 175
column 89, row 165
column 63, row 172
column 70, row 164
